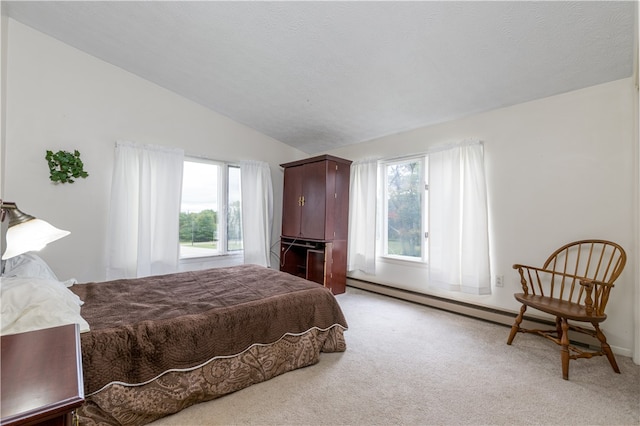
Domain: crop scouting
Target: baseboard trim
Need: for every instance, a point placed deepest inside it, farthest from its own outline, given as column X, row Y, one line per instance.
column 497, row 316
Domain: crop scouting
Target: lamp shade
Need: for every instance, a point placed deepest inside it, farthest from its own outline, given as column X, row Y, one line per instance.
column 28, row 234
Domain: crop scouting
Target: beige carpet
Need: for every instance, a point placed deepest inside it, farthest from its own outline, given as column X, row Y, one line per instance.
column 407, row 364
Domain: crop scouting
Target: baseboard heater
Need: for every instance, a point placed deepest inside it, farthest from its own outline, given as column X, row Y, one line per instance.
column 497, row 316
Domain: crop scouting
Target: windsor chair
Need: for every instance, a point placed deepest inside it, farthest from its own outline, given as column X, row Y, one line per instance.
column 572, row 285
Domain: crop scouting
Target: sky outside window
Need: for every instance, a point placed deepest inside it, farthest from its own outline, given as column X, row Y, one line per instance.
column 199, row 187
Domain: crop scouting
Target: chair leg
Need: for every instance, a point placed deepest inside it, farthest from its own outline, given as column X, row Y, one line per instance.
column 559, row 327
column 606, row 348
column 516, row 325
column 564, row 354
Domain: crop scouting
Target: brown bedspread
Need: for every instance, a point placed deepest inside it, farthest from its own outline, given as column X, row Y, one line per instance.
column 144, row 327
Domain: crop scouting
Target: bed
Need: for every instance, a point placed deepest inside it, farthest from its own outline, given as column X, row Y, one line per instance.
column 157, row 345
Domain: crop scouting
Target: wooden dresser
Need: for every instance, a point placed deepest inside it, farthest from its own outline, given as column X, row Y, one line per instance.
column 41, row 382
column 315, row 218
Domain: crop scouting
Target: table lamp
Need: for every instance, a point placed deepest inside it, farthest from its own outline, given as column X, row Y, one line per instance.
column 25, row 232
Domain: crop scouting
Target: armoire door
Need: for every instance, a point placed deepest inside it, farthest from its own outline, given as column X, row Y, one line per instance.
column 291, row 201
column 314, row 193
column 304, row 201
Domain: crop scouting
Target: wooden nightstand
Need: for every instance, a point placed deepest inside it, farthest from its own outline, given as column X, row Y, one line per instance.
column 41, row 380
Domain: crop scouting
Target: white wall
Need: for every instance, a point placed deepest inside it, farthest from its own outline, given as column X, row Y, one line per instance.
column 61, row 98
column 558, row 169
column 3, row 109
column 3, row 86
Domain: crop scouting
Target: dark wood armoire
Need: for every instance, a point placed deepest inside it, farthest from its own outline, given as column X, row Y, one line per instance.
column 315, row 217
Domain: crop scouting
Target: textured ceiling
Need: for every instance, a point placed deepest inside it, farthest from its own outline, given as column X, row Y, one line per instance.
column 319, row 75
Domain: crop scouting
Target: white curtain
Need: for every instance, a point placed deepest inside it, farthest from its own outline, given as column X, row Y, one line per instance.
column 257, row 211
column 458, row 223
column 144, row 212
column 362, row 217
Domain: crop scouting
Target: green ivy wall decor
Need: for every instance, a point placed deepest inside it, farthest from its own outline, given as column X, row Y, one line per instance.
column 64, row 166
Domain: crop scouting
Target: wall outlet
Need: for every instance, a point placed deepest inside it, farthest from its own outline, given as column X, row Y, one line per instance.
column 499, row 280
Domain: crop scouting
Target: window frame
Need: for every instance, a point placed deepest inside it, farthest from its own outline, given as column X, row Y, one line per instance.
column 223, row 209
column 383, row 211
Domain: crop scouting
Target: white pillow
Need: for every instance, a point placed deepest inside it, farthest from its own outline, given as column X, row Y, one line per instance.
column 34, row 303
column 28, row 265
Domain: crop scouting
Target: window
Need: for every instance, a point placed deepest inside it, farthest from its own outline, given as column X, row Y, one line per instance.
column 405, row 209
column 211, row 210
column 434, row 208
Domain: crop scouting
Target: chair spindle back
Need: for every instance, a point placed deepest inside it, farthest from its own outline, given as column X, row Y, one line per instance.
column 598, row 260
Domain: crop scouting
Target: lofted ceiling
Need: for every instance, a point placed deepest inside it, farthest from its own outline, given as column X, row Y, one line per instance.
column 320, row 75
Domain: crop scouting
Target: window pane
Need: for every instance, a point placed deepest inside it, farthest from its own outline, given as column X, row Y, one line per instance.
column 404, row 207
column 234, row 213
column 199, row 210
